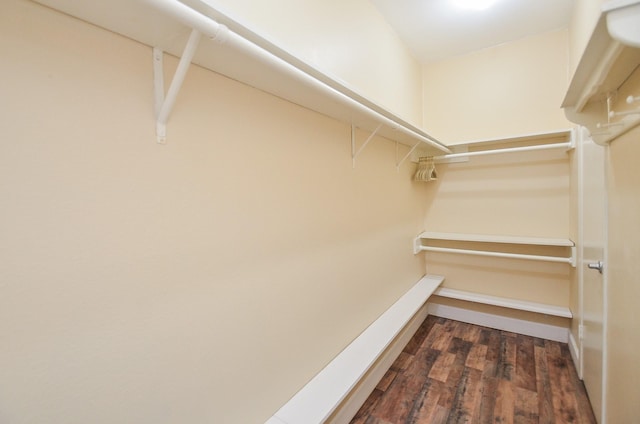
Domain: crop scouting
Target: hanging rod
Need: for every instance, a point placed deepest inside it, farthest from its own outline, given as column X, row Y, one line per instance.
column 613, row 113
column 218, row 32
column 565, row 145
column 570, row 260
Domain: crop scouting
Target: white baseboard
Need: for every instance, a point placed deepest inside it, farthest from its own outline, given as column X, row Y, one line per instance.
column 575, row 353
column 527, row 328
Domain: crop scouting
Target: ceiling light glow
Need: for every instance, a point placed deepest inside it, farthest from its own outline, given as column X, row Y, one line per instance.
column 474, row 4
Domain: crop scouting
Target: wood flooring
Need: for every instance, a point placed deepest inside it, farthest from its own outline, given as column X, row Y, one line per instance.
column 452, row 372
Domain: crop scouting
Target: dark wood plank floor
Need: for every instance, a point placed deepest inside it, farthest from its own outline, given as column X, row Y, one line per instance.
column 452, row 372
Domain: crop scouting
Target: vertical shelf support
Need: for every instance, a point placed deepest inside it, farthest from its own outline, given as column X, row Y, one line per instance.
column 354, row 153
column 164, row 104
column 574, row 136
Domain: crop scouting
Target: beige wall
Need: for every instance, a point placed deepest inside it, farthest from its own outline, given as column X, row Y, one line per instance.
column 583, row 20
column 504, row 91
column 512, row 89
column 347, row 39
column 523, row 194
column 205, row 280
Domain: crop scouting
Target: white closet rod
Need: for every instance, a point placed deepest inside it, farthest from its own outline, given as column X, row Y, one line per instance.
column 565, row 145
column 498, row 254
column 222, row 34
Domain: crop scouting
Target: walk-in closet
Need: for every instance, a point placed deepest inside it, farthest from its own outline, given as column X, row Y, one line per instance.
column 306, row 212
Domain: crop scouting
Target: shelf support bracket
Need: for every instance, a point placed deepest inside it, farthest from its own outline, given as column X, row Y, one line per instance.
column 164, row 104
column 398, row 164
column 354, row 153
column 417, row 245
column 575, row 135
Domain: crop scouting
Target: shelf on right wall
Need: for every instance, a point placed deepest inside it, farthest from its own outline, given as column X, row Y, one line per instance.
column 602, row 84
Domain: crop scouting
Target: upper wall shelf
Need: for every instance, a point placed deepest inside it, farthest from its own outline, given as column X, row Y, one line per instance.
column 233, row 50
column 610, row 60
column 562, row 139
column 541, row 138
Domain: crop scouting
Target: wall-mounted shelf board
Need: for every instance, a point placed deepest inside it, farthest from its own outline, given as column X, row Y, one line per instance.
column 272, row 69
column 418, row 246
column 315, row 402
column 564, row 244
column 462, row 151
column 563, row 135
column 604, row 67
column 490, row 238
column 521, row 305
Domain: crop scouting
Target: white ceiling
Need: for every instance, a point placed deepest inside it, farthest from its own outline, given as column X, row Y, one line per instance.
column 437, row 29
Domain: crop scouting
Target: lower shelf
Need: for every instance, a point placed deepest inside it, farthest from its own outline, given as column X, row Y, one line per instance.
column 319, row 398
column 504, row 302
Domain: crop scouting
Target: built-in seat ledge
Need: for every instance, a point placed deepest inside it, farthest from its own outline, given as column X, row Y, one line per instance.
column 504, row 302
column 317, row 400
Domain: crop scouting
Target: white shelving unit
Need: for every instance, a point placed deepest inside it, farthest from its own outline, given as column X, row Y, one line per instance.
column 501, row 240
column 496, row 239
column 552, row 140
column 200, row 34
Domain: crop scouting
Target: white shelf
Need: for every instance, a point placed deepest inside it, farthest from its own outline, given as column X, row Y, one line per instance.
column 604, row 67
column 486, row 238
column 499, row 239
column 258, row 62
column 504, row 302
column 563, row 135
column 315, row 402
